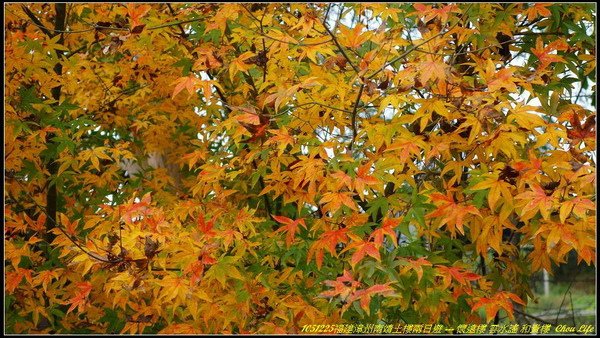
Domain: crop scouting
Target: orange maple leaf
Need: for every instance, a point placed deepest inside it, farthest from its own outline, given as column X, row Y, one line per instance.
column 538, row 9
column 460, row 275
column 39, row 224
column 80, row 297
column 537, row 200
column 364, row 178
column 431, row 13
column 14, row 278
column 191, row 83
column 387, row 228
column 365, row 295
column 503, row 79
column 334, row 200
column 432, row 69
column 206, row 227
column 501, row 300
column 136, row 12
column 452, row 212
column 185, row 82
column 355, row 37
column 132, row 210
column 328, row 241
column 543, row 53
column 417, row 265
column 290, row 226
column 363, row 248
column 342, row 286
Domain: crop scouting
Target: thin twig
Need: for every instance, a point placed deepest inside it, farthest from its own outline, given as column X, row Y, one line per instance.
column 532, row 317
column 59, row 227
column 412, row 48
column 341, row 49
column 564, row 297
column 354, row 112
column 36, row 21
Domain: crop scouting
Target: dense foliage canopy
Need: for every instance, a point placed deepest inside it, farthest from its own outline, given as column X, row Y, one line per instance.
column 254, row 168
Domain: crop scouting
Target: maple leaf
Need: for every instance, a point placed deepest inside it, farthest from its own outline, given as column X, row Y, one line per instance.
column 387, row 228
column 417, row 265
column 207, row 58
column 80, row 297
column 219, row 20
column 502, row 79
column 343, row 286
column 94, row 155
column 196, row 268
column 46, row 276
column 256, row 124
column 582, row 131
column 14, row 278
column 240, row 65
column 433, row 70
column 528, row 169
column 501, row 300
column 70, row 227
column 452, row 213
column 327, row 241
column 39, row 224
column 185, row 82
column 315, row 48
column 306, row 22
column 281, row 138
column 132, row 210
column 191, row 83
column 136, row 12
column 405, row 149
column 543, row 53
column 442, row 12
column 363, row 248
column 249, row 119
column 290, row 226
column 537, row 9
column 342, row 179
column 536, row 200
column 364, row 178
column 282, row 96
column 194, row 157
column 355, row 37
column 498, row 188
column 334, row 200
column 365, row 295
column 460, row 275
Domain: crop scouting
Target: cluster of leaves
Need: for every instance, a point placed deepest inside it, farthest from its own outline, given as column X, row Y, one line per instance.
column 242, row 168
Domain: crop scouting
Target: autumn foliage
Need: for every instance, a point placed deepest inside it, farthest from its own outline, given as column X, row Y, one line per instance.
column 253, row 168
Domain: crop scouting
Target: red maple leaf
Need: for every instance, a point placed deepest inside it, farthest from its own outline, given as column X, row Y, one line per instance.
column 581, row 131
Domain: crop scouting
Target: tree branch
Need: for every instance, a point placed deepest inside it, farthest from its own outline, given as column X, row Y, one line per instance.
column 533, row 317
column 353, row 117
column 340, row 48
column 53, row 220
column 36, row 21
